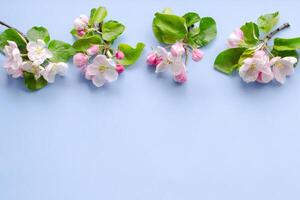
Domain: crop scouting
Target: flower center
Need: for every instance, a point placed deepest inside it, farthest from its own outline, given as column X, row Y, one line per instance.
column 39, row 50
column 102, row 68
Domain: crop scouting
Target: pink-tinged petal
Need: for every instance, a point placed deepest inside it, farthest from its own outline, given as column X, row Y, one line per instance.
column 248, row 61
column 274, row 60
column 248, row 73
column 197, row 55
column 177, row 68
column 181, row 78
column 177, row 49
column 92, row 70
column 31, row 46
column 100, row 60
column 265, row 76
column 80, row 59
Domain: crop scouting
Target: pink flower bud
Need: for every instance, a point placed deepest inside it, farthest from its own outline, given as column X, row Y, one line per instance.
column 236, row 38
column 93, row 50
column 80, row 60
column 197, row 55
column 120, row 68
column 177, row 49
column 81, row 23
column 120, row 55
column 181, row 78
column 80, row 33
column 152, row 59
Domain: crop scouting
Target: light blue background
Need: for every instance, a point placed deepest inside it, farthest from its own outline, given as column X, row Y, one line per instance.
column 144, row 137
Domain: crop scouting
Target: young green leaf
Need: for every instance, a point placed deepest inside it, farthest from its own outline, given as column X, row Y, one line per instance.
column 191, row 18
column 82, row 44
column 169, row 28
column 282, row 44
column 167, row 11
column 131, row 54
column 290, row 53
column 268, row 21
column 31, row 83
column 36, row 33
column 227, row 60
column 61, row 51
column 97, row 15
column 111, row 30
column 207, row 32
column 13, row 35
column 251, row 33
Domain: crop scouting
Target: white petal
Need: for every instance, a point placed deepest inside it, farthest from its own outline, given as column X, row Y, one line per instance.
column 248, row 74
column 100, row 60
column 177, row 68
column 48, row 53
column 92, row 70
column 98, row 81
column 290, row 59
column 110, row 75
column 27, row 66
column 278, row 75
column 61, row 68
column 161, row 67
column 31, row 46
column 41, row 43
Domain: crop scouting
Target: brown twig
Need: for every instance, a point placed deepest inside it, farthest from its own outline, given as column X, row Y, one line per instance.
column 282, row 27
column 8, row 26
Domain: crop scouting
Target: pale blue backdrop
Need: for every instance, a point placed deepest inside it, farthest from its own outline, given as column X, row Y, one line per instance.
column 144, row 137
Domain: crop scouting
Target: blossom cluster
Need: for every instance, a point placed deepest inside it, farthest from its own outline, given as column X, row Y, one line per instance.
column 35, row 61
column 173, row 60
column 263, row 66
column 97, row 67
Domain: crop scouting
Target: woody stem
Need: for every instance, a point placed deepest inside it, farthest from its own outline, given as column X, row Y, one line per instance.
column 8, row 26
column 282, row 27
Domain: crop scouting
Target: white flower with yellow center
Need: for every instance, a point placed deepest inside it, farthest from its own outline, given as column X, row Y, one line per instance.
column 283, row 67
column 52, row 69
column 102, row 70
column 33, row 68
column 38, row 52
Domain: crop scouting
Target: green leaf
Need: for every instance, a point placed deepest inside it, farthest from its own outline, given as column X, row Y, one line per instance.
column 268, row 21
column 13, row 35
column 251, row 33
column 167, row 11
column 169, row 28
column 227, row 60
column 282, row 44
column 112, row 30
column 97, row 15
column 191, row 18
column 82, row 44
column 131, row 54
column 62, row 51
column 36, row 33
column 31, row 83
column 290, row 53
column 207, row 32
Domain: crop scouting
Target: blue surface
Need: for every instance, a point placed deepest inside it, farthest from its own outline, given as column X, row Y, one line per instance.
column 144, row 137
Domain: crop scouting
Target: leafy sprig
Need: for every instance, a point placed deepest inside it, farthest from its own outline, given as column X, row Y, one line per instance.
column 253, row 37
column 60, row 52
